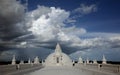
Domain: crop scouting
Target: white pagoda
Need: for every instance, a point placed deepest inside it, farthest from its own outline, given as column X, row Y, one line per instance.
column 21, row 62
column 29, row 61
column 104, row 61
column 94, row 61
column 36, row 60
column 58, row 58
column 80, row 60
column 87, row 61
column 13, row 60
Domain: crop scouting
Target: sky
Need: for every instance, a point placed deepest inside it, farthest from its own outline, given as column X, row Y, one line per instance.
column 86, row 28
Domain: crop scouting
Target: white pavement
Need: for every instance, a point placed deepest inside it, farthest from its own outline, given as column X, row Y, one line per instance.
column 59, row 71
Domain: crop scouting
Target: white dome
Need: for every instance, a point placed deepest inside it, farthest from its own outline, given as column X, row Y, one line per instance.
column 51, row 60
column 58, row 58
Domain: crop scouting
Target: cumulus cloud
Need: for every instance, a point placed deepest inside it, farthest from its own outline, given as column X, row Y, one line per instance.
column 50, row 24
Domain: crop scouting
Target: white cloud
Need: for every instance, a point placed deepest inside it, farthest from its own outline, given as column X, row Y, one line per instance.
column 86, row 9
column 50, row 25
column 80, row 11
column 74, row 30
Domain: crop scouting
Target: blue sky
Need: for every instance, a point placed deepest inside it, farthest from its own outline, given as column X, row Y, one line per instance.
column 82, row 27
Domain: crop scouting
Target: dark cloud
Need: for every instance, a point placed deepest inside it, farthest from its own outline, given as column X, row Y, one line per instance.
column 11, row 14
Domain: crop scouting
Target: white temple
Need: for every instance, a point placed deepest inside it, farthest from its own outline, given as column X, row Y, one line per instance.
column 58, row 58
column 80, row 60
column 104, row 61
column 36, row 60
column 13, row 60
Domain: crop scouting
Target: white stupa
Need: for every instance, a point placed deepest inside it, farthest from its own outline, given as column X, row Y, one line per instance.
column 58, row 63
column 43, row 62
column 21, row 62
column 29, row 61
column 104, row 61
column 58, row 58
column 80, row 60
column 73, row 61
column 94, row 61
column 13, row 60
column 36, row 60
column 87, row 61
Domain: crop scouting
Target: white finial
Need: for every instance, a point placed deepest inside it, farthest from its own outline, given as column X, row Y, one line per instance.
column 29, row 62
column 87, row 61
column 104, row 60
column 94, row 61
column 36, row 60
column 21, row 62
column 80, row 60
column 13, row 60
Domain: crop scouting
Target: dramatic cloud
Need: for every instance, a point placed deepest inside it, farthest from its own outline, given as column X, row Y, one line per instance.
column 111, row 54
column 11, row 14
column 98, row 44
column 45, row 26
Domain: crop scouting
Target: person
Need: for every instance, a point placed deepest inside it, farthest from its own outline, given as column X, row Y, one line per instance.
column 18, row 67
column 99, row 66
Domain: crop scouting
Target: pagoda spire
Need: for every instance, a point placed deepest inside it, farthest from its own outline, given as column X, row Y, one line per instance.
column 80, row 60
column 58, row 50
column 104, row 61
column 13, row 60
